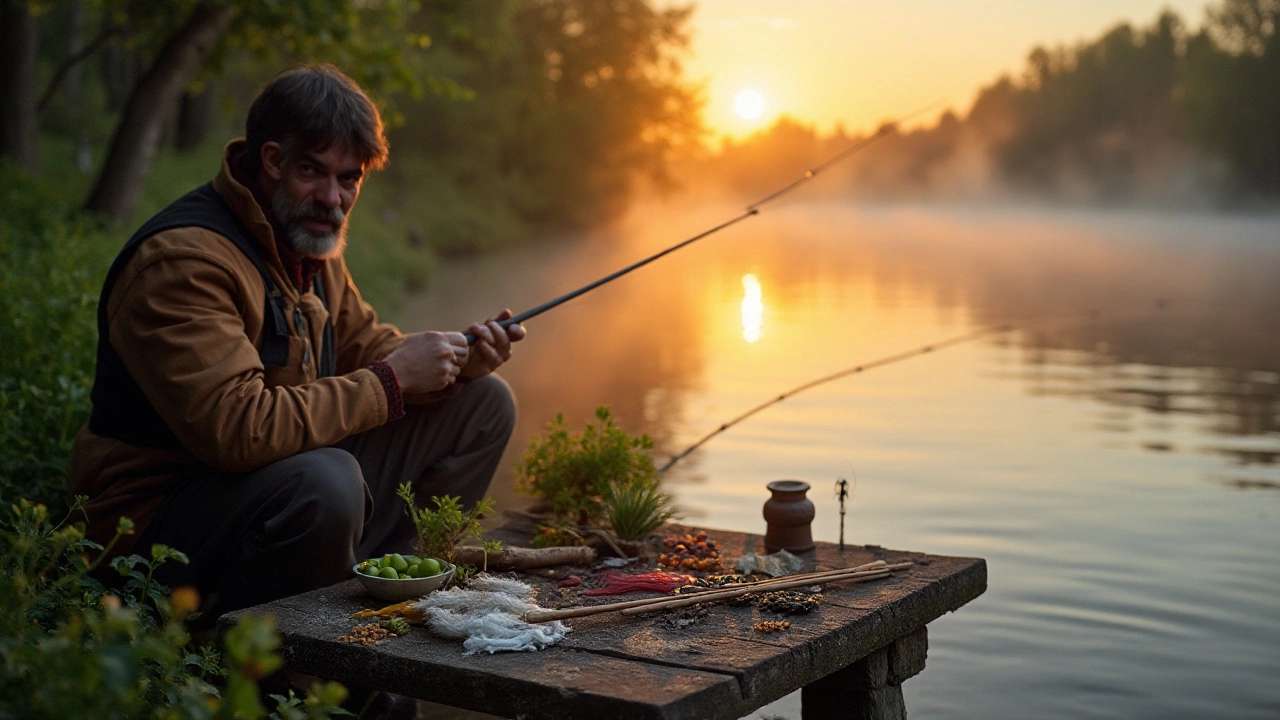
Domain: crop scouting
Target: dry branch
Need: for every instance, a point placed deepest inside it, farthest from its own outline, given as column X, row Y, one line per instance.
column 519, row 558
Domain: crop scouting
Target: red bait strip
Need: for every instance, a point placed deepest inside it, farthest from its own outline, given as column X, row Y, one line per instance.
column 617, row 583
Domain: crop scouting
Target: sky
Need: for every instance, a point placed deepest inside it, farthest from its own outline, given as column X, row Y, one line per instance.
column 858, row 63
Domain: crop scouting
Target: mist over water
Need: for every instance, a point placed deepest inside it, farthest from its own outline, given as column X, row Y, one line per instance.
column 1114, row 458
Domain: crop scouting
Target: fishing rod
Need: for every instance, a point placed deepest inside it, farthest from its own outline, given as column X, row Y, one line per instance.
column 751, row 210
column 880, row 362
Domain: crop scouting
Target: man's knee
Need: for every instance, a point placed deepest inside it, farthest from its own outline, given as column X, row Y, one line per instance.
column 495, row 402
column 328, row 483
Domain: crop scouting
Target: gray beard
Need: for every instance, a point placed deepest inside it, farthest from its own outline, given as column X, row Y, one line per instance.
column 322, row 244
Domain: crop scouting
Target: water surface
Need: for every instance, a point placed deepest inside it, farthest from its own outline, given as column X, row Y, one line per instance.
column 1114, row 458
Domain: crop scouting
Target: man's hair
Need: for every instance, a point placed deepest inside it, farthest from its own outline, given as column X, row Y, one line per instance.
column 310, row 108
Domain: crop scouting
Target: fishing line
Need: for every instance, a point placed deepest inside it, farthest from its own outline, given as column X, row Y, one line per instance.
column 880, row 362
column 750, row 211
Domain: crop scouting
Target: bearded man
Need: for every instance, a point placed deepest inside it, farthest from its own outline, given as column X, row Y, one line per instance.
column 249, row 408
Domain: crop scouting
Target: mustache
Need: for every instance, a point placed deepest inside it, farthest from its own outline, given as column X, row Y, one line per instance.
column 312, row 210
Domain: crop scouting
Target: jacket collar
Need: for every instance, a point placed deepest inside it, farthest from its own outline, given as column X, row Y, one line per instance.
column 250, row 207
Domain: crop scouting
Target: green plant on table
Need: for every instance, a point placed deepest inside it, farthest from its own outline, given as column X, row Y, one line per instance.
column 440, row 529
column 635, row 509
column 574, row 472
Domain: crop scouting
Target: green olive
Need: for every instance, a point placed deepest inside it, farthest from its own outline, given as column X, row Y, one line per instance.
column 429, row 567
column 399, row 563
column 389, row 573
column 384, row 561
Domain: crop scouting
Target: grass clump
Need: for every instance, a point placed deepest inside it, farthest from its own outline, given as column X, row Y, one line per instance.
column 636, row 509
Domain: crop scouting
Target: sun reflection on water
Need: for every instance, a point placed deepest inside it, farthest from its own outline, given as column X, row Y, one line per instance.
column 752, row 308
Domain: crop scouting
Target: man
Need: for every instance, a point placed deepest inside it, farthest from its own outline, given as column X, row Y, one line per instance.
column 249, row 408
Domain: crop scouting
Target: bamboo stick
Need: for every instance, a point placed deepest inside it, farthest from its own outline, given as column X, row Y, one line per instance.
column 711, row 595
column 696, row 598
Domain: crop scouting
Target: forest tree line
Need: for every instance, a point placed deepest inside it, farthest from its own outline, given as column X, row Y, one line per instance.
column 512, row 114
column 1156, row 115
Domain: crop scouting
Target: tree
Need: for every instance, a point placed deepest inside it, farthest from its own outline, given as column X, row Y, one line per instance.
column 184, row 38
column 1231, row 99
column 609, row 104
column 18, row 82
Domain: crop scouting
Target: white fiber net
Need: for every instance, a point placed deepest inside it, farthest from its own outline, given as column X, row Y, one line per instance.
column 486, row 617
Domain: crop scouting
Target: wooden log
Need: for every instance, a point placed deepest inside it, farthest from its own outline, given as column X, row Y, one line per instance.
column 520, row 558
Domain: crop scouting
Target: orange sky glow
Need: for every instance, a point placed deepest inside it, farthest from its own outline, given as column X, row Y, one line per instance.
column 858, row 63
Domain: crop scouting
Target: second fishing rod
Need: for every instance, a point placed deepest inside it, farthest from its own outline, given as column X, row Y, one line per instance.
column 749, row 211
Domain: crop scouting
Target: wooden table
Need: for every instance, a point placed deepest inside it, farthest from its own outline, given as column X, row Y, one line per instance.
column 850, row 657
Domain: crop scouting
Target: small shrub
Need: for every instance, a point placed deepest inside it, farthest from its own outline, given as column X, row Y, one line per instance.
column 439, row 530
column 573, row 473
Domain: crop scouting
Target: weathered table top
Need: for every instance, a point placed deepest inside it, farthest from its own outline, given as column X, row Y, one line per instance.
column 619, row 666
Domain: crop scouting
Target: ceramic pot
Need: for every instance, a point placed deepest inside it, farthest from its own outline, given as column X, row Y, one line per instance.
column 789, row 515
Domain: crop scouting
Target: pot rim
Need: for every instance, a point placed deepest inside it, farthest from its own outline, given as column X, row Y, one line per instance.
column 788, row 486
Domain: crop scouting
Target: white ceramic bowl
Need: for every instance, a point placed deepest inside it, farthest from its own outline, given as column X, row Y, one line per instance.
column 402, row 588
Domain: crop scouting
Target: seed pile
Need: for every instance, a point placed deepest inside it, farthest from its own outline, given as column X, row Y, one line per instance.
column 788, row 602
column 715, row 582
column 769, row 626
column 691, row 552
column 377, row 633
column 688, row 616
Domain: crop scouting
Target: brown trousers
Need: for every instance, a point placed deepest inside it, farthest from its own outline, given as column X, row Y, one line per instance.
column 301, row 523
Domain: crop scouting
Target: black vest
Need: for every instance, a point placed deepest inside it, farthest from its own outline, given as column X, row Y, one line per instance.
column 120, row 410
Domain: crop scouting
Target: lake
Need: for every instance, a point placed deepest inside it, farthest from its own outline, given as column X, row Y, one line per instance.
column 1115, row 457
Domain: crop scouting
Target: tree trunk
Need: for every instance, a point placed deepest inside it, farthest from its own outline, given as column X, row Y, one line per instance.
column 18, row 83
column 137, row 136
column 195, row 114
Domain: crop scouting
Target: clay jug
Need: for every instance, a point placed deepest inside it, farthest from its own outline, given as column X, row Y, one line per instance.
column 789, row 515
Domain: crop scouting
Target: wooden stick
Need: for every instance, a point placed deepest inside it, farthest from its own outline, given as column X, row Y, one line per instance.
column 519, row 558
column 696, row 598
column 708, row 595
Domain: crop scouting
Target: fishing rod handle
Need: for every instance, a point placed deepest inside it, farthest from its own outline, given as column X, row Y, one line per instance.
column 471, row 339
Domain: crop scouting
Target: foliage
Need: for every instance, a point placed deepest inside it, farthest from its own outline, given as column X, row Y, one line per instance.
column 439, row 530
column 1231, row 92
column 51, row 269
column 574, row 472
column 72, row 648
column 636, row 508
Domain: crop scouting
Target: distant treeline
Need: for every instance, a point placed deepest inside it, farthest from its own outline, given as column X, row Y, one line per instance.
column 1155, row 115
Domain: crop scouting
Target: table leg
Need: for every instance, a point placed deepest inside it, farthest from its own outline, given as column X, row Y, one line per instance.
column 871, row 688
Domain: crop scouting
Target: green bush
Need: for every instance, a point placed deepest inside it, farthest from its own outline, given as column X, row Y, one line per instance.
column 575, row 473
column 51, row 267
column 71, row 648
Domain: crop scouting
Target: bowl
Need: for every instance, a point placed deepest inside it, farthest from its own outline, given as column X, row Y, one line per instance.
column 395, row 590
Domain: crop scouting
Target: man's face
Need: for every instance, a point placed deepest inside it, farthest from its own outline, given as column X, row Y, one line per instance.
column 313, row 198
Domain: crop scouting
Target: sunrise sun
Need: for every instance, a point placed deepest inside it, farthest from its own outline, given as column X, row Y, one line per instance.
column 749, row 104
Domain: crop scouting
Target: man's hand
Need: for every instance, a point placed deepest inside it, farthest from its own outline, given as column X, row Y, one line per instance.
column 429, row 361
column 493, row 345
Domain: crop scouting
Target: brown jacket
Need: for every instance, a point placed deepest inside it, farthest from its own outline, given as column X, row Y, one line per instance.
column 186, row 317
